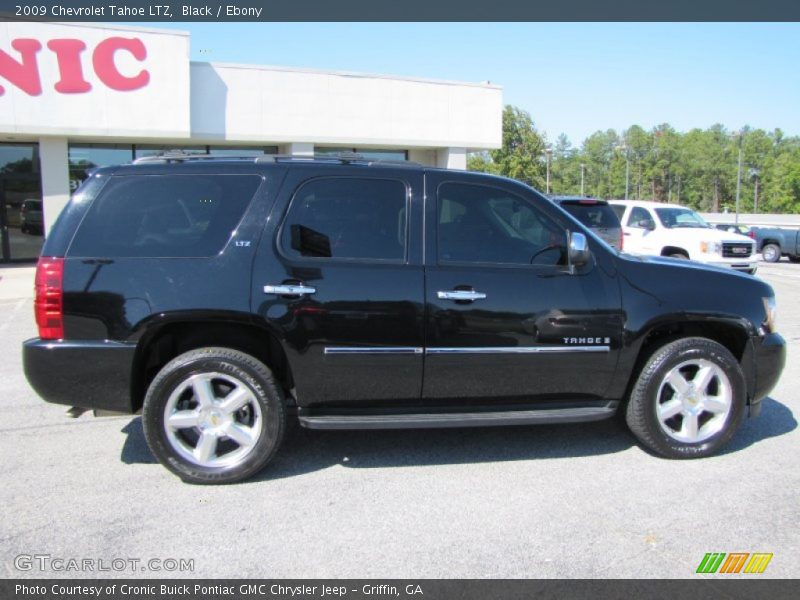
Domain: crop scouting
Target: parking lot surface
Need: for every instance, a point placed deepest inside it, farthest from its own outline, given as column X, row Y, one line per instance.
column 542, row 501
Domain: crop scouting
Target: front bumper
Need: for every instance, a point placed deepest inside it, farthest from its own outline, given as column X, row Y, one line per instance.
column 749, row 263
column 767, row 357
column 89, row 374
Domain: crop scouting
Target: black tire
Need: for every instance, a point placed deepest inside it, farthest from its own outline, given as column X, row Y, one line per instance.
column 651, row 392
column 794, row 259
column 771, row 253
column 221, row 369
column 679, row 255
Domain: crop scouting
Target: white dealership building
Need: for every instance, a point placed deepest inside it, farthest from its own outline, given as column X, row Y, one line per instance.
column 74, row 96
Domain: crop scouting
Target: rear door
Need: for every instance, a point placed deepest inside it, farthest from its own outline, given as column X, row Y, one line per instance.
column 638, row 238
column 506, row 319
column 339, row 275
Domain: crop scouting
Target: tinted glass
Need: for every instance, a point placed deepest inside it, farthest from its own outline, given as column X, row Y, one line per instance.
column 347, row 218
column 20, row 185
column 619, row 210
column 488, row 225
column 593, row 215
column 164, row 215
column 637, row 215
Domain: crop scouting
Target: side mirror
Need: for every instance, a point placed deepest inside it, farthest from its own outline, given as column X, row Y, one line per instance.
column 579, row 253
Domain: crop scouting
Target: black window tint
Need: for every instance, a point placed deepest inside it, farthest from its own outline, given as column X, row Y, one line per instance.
column 593, row 215
column 485, row 224
column 164, row 215
column 343, row 217
column 619, row 210
column 638, row 215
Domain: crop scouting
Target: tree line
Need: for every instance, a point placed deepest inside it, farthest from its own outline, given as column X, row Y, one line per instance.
column 698, row 168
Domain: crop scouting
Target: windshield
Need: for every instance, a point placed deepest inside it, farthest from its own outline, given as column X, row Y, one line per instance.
column 673, row 218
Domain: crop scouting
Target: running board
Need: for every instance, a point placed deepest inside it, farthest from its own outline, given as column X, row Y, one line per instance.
column 459, row 419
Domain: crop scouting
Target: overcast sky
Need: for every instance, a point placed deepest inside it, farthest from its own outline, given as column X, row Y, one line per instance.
column 574, row 78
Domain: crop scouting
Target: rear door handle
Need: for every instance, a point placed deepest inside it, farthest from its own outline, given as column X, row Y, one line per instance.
column 464, row 295
column 289, row 289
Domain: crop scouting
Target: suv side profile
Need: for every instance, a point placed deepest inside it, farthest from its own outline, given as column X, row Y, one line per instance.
column 222, row 298
column 659, row 229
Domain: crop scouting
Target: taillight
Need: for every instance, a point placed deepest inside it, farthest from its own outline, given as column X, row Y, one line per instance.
column 751, row 235
column 621, row 239
column 48, row 305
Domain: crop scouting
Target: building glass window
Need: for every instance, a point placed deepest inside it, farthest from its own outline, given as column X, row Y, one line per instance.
column 21, row 215
column 242, row 151
column 85, row 157
column 141, row 150
column 368, row 153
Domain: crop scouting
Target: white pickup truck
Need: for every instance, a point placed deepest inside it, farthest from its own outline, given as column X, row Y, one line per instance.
column 656, row 228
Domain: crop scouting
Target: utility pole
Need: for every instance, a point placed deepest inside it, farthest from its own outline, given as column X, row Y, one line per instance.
column 738, row 177
column 583, row 168
column 548, row 153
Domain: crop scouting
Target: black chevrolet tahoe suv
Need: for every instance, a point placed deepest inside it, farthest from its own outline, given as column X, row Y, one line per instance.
column 224, row 297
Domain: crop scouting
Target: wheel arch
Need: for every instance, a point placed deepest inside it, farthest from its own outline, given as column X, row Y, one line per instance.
column 669, row 250
column 164, row 341
column 730, row 333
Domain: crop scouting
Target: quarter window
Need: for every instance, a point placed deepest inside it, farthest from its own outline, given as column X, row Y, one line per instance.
column 348, row 218
column 488, row 225
column 164, row 215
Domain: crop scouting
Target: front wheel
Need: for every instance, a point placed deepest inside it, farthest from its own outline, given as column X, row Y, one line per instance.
column 688, row 400
column 214, row 415
column 771, row 253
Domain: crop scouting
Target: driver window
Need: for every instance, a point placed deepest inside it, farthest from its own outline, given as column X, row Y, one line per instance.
column 638, row 215
column 489, row 225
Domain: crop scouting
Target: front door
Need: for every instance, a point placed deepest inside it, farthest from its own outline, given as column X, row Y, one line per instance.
column 346, row 291
column 507, row 320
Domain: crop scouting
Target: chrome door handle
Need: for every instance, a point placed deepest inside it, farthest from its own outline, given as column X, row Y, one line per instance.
column 289, row 290
column 468, row 295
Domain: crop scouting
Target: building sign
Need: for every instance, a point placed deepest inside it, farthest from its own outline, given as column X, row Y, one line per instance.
column 77, row 80
column 24, row 72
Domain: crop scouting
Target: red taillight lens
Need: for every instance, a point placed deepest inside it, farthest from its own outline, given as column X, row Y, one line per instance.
column 621, row 239
column 751, row 235
column 48, row 305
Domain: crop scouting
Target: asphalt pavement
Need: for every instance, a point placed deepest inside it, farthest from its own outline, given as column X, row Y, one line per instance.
column 529, row 502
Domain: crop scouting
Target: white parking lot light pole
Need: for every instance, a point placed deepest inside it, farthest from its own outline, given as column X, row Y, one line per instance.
column 739, row 135
column 548, row 153
column 583, row 168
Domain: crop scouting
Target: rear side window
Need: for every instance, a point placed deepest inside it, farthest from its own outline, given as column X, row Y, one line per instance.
column 638, row 217
column 619, row 210
column 164, row 215
column 593, row 215
column 349, row 218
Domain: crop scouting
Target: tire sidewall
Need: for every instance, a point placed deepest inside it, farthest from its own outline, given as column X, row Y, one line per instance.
column 174, row 374
column 685, row 351
column 771, row 253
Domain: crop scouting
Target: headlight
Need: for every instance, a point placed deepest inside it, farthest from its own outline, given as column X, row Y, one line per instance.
column 711, row 247
column 771, row 311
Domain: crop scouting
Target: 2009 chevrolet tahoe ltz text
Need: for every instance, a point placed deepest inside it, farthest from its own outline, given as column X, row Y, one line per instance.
column 223, row 297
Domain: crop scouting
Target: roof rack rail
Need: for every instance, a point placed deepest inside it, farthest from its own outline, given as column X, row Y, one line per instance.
column 342, row 157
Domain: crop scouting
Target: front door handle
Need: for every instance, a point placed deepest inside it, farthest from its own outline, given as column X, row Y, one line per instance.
column 289, row 289
column 463, row 295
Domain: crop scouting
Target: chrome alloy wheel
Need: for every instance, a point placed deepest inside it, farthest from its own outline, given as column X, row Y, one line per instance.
column 694, row 401
column 213, row 420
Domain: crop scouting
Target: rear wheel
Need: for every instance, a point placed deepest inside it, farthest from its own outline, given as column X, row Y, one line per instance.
column 214, row 415
column 688, row 400
column 771, row 253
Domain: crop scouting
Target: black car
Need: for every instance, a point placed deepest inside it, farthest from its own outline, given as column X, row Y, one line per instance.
column 224, row 297
column 597, row 215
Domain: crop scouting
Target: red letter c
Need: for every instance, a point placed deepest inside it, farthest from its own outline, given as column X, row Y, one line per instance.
column 106, row 68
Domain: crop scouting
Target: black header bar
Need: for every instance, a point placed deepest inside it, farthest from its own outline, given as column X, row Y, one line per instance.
column 399, row 10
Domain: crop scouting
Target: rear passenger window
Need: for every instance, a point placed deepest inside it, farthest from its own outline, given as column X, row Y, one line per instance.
column 350, row 218
column 164, row 216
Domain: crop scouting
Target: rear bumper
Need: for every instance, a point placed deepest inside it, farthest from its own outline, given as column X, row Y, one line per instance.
column 90, row 374
column 768, row 359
